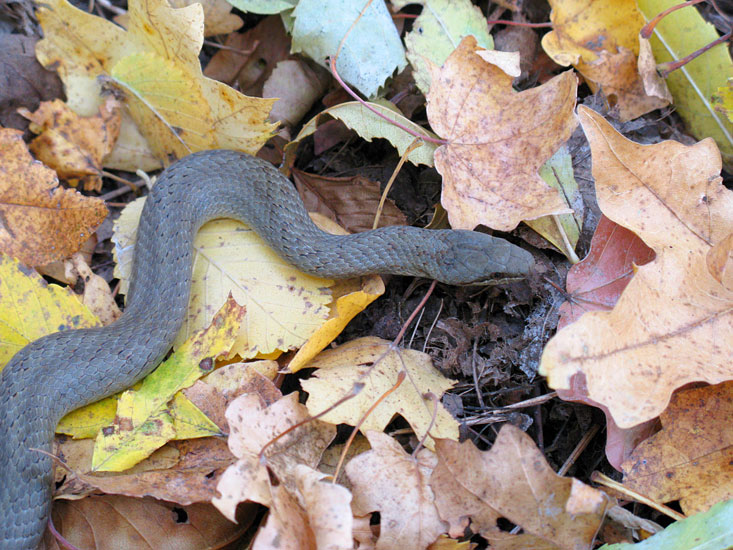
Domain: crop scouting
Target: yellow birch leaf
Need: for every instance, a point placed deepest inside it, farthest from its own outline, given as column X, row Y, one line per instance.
column 143, row 422
column 284, row 306
column 370, row 361
column 188, row 420
column 160, row 49
column 85, row 422
column 31, row 308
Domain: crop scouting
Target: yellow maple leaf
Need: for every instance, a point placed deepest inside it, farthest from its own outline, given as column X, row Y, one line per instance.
column 155, row 63
column 371, row 362
column 673, row 322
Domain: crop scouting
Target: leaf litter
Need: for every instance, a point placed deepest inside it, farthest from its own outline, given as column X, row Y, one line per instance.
column 409, row 482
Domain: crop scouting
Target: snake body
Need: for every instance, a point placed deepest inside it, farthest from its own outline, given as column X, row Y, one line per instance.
column 66, row 370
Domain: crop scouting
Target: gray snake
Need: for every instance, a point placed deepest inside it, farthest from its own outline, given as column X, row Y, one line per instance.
column 66, row 370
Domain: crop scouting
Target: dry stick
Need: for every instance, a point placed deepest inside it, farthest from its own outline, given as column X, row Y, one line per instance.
column 648, row 29
column 414, row 145
column 579, row 448
column 400, row 379
column 601, row 479
column 118, row 179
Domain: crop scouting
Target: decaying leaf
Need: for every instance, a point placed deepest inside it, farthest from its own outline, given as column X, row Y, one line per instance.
column 371, row 362
column 672, row 323
column 41, row 222
column 388, row 480
column 513, row 480
column 690, row 458
column 74, row 146
column 497, row 140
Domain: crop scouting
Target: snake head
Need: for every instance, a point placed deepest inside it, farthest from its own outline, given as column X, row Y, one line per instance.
column 472, row 258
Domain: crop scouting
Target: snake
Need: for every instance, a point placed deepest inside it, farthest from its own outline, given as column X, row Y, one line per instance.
column 65, row 370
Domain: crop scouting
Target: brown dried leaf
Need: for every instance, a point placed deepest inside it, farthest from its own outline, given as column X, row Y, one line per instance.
column 498, row 140
column 111, row 522
column 350, row 202
column 388, row 480
column 690, row 458
column 513, row 480
column 41, row 222
column 673, row 321
column 74, row 146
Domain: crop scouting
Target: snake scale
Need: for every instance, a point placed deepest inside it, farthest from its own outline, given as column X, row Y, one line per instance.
column 66, row 370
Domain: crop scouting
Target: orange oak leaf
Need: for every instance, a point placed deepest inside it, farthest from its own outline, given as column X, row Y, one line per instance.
column 690, row 459
column 674, row 320
column 40, row 222
column 497, row 140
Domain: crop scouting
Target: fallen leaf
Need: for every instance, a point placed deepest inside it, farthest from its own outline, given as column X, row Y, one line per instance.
column 596, row 283
column 254, row 424
column 371, row 361
column 173, row 105
column 143, row 423
column 351, row 202
column 218, row 18
column 514, row 481
column 497, row 140
column 677, row 35
column 441, row 25
column 389, row 481
column 670, row 324
column 71, row 145
column 284, row 306
column 712, row 529
column 601, row 40
column 31, row 308
column 723, row 100
column 107, row 522
column 690, row 458
column 97, row 295
column 367, row 58
column 41, row 222
column 297, row 85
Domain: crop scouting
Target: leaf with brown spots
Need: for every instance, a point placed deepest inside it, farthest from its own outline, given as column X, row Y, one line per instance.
column 39, row 221
column 690, row 458
column 497, row 140
column 674, row 321
column 74, row 146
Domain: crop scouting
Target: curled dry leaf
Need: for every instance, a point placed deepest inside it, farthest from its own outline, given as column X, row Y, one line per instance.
column 388, row 480
column 690, row 458
column 673, row 322
column 74, row 146
column 253, row 425
column 513, row 480
column 497, row 140
column 41, row 222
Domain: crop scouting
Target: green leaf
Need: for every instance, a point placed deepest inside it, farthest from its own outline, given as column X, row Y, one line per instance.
column 372, row 51
column 711, row 530
column 693, row 86
column 268, row 7
column 438, row 31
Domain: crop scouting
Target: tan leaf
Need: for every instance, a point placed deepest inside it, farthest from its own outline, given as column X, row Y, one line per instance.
column 514, row 481
column 253, row 425
column 673, row 320
column 351, row 202
column 371, row 361
column 149, row 524
column 388, row 480
column 497, row 140
column 41, row 222
column 690, row 458
column 72, row 145
column 97, row 294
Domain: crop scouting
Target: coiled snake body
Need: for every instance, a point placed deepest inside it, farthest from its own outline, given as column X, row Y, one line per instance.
column 66, row 370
